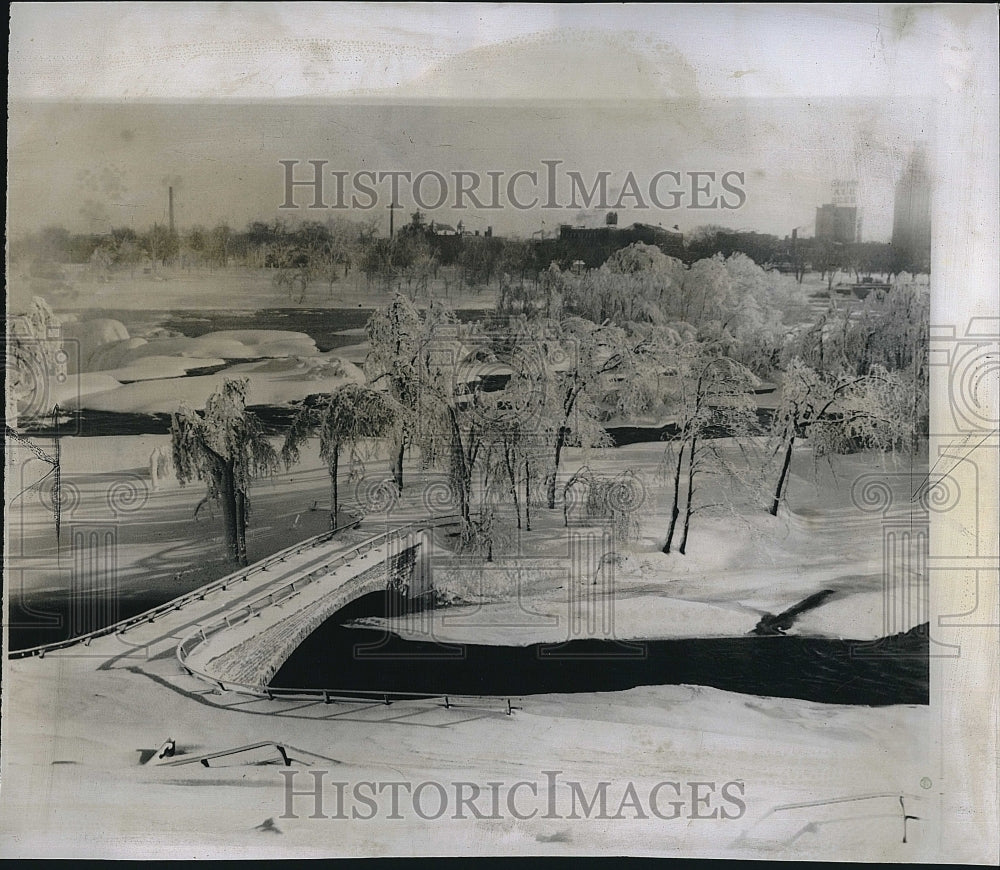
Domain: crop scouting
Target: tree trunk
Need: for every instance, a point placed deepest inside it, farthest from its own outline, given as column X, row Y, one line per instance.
column 462, row 474
column 527, row 497
column 560, row 441
column 397, row 472
column 229, row 510
column 690, row 497
column 334, row 499
column 675, row 511
column 464, row 510
column 781, row 479
column 241, row 526
column 512, row 474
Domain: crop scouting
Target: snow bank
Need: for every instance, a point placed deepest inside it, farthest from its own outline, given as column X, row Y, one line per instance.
column 86, row 338
column 271, row 383
column 355, row 353
column 69, row 392
column 226, row 344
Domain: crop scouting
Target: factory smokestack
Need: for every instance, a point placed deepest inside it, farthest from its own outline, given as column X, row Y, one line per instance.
column 170, row 207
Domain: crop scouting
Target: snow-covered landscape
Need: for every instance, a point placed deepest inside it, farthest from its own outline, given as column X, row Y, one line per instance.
column 742, row 566
column 592, row 527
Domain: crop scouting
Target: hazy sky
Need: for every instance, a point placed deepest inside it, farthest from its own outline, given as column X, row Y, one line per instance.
column 137, row 97
column 91, row 166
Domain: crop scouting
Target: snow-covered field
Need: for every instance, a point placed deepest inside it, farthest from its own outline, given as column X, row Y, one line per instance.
column 73, row 785
column 816, row 780
column 749, row 776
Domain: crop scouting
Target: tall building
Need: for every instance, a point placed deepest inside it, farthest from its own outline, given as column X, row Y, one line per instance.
column 837, row 223
column 911, row 217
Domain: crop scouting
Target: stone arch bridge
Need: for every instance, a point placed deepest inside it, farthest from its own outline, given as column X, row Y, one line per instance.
column 244, row 648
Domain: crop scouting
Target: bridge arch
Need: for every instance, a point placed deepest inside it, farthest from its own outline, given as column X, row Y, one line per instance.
column 245, row 648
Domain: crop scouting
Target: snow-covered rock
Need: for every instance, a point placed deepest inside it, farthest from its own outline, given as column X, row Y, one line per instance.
column 88, row 336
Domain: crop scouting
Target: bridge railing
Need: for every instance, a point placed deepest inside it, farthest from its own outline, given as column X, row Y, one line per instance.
column 247, row 611
column 328, row 695
column 147, row 616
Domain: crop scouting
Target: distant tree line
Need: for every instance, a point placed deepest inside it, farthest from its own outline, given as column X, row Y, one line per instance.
column 797, row 256
column 310, row 254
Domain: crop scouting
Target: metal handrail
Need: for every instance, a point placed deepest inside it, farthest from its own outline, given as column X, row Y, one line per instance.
column 386, row 696
column 122, row 625
column 205, row 757
column 226, row 621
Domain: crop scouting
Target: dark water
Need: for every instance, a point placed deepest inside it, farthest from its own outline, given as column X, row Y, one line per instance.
column 622, row 436
column 337, row 656
column 87, row 422
column 58, row 615
column 344, row 657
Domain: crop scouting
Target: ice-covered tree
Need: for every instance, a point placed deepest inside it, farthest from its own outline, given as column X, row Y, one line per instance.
column 224, row 446
column 887, row 332
column 839, row 411
column 712, row 396
column 346, row 421
column 636, row 283
column 459, row 429
column 445, row 412
column 517, row 446
column 517, row 262
column 591, row 371
column 34, row 353
column 405, row 349
column 617, row 500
